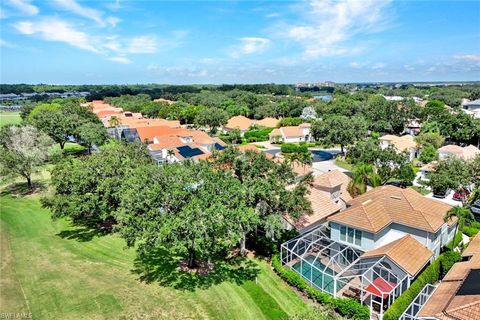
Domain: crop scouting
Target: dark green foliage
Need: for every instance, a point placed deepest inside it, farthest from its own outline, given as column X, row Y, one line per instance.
column 449, row 258
column 428, row 154
column 450, row 173
column 211, row 118
column 257, row 134
column 346, row 307
column 431, row 274
column 293, row 148
column 87, row 190
column 286, row 122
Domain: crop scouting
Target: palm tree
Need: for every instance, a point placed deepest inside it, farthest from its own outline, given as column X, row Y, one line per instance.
column 114, row 121
column 363, row 174
column 463, row 215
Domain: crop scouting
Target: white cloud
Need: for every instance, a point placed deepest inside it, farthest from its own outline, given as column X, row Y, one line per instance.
column 6, row 44
column 468, row 57
column 330, row 24
column 24, row 6
column 378, row 65
column 120, row 59
column 249, row 45
column 54, row 29
column 358, row 65
column 86, row 12
column 141, row 44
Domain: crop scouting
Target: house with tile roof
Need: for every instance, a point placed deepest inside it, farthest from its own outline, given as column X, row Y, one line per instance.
column 241, row 123
column 268, row 122
column 374, row 249
column 388, row 213
column 292, row 134
column 327, row 195
column 457, row 297
column 466, row 153
column 404, row 143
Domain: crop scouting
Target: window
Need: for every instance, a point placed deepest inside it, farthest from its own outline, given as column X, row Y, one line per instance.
column 351, row 235
column 343, row 233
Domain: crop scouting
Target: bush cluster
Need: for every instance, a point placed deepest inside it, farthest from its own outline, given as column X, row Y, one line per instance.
column 430, row 275
column 255, row 135
column 294, row 148
column 346, row 307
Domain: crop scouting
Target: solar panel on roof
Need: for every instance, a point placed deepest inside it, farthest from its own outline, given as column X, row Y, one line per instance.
column 188, row 152
column 219, row 146
column 471, row 285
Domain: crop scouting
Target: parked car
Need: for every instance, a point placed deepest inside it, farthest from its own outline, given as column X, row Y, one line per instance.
column 475, row 208
column 441, row 193
column 461, row 195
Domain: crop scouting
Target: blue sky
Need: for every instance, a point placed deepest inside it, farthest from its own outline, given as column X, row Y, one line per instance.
column 181, row 42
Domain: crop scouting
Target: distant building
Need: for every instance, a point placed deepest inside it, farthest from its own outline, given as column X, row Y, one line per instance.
column 292, row 134
column 452, row 150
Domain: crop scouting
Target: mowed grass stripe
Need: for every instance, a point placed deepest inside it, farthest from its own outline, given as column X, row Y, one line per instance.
column 70, row 279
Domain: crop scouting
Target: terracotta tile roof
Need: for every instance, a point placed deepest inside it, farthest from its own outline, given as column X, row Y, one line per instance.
column 305, row 125
column 292, row 131
column 251, row 147
column 239, row 122
column 384, row 205
column 332, row 179
column 268, row 122
column 165, row 142
column 402, row 143
column 275, row 133
column 473, row 248
column 322, row 207
column 108, row 113
column 148, row 133
column 406, row 252
column 136, row 123
column 429, row 167
column 466, row 153
column 446, row 302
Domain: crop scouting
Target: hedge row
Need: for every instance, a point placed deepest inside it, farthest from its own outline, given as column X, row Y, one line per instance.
column 346, row 307
column 430, row 275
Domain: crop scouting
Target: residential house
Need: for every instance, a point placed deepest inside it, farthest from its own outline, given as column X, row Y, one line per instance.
column 292, row 134
column 452, row 150
column 413, row 126
column 404, row 143
column 327, row 195
column 373, row 250
column 238, row 122
column 388, row 213
column 457, row 297
column 471, row 107
column 268, row 122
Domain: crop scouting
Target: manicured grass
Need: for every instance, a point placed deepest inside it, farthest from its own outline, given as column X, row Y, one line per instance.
column 343, row 164
column 9, row 117
column 422, row 190
column 69, row 148
column 56, row 271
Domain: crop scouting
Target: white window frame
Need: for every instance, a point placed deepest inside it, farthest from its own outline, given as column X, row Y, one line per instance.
column 356, row 235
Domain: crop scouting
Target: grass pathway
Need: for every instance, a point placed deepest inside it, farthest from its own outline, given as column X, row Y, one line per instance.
column 66, row 277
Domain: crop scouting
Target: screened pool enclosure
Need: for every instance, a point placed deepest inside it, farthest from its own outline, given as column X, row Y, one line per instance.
column 339, row 269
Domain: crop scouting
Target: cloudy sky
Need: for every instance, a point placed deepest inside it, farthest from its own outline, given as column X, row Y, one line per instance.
column 117, row 41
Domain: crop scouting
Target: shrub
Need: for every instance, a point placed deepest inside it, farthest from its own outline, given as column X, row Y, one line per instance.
column 431, row 274
column 449, row 258
column 346, row 307
column 256, row 134
column 470, row 231
column 293, row 148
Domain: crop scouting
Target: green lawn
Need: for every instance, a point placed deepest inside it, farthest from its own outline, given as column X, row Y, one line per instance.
column 55, row 271
column 343, row 164
column 9, row 117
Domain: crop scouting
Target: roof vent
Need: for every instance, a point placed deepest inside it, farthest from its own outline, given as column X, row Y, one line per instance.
column 366, row 202
column 396, row 197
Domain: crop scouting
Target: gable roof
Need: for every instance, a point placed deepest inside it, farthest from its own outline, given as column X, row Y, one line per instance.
column 322, row 207
column 402, row 143
column 292, row 131
column 148, row 133
column 268, row 122
column 239, row 122
column 451, row 299
column 467, row 153
column 406, row 252
column 384, row 205
column 334, row 178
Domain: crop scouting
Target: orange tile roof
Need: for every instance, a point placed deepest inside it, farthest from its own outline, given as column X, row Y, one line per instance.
column 239, row 122
column 148, row 133
column 473, row 247
column 292, row 131
column 334, row 178
column 384, row 205
column 322, row 207
column 445, row 302
column 268, row 122
column 107, row 113
column 467, row 153
column 402, row 143
column 275, row 133
column 135, row 123
column 406, row 252
column 251, row 147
